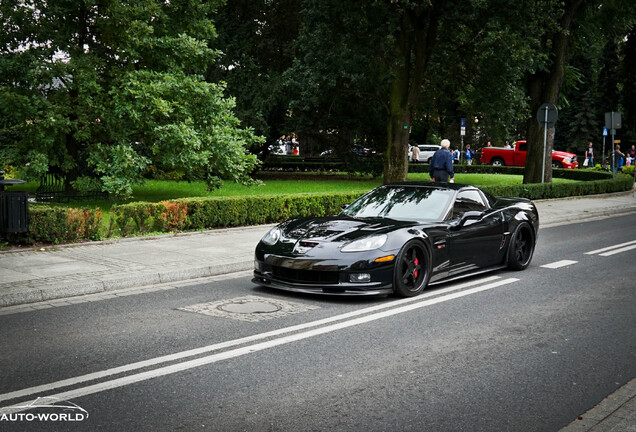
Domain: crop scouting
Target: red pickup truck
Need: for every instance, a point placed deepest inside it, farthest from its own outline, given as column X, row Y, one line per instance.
column 517, row 156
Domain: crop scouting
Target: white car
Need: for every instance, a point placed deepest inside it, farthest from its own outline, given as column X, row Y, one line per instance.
column 426, row 152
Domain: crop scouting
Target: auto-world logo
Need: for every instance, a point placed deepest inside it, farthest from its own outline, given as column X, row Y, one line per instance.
column 44, row 409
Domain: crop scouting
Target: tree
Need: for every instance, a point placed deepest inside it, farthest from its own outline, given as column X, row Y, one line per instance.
column 629, row 87
column 99, row 91
column 256, row 44
column 544, row 85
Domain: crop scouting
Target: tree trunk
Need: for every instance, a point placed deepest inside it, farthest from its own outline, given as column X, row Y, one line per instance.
column 415, row 41
column 545, row 86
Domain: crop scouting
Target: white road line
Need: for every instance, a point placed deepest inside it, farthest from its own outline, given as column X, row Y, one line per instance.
column 231, row 343
column 559, row 264
column 615, row 251
column 610, row 248
column 167, row 370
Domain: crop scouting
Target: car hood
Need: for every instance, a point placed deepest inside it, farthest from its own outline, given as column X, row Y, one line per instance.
column 339, row 228
column 563, row 154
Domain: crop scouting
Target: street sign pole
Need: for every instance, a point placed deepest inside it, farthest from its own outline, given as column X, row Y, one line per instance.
column 614, row 167
column 545, row 142
column 547, row 116
column 604, row 135
column 613, row 121
column 462, row 132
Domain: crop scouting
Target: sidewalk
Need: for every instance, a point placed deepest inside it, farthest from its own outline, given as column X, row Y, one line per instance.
column 57, row 272
column 35, row 275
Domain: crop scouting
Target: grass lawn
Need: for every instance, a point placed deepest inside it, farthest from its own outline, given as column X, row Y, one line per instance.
column 157, row 190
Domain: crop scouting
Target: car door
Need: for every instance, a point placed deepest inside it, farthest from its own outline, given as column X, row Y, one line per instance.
column 478, row 242
column 520, row 154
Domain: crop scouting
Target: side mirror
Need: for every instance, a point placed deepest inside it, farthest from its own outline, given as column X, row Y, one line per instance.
column 468, row 216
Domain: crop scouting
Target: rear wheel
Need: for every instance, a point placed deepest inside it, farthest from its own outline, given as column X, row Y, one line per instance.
column 521, row 247
column 412, row 269
column 497, row 162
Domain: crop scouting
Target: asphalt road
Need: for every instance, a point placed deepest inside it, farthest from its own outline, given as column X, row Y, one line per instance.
column 509, row 351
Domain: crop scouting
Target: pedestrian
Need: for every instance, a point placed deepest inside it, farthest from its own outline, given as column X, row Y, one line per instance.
column 618, row 159
column 489, row 144
column 441, row 168
column 415, row 153
column 631, row 153
column 456, row 155
column 589, row 155
column 470, row 154
column 507, row 146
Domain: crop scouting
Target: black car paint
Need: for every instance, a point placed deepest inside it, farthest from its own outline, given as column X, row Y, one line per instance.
column 458, row 247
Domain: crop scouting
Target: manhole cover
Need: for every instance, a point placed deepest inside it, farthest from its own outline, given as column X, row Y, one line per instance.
column 249, row 308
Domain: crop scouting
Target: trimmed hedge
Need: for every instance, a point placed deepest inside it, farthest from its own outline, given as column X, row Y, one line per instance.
column 61, row 225
column 215, row 212
column 571, row 174
column 58, row 225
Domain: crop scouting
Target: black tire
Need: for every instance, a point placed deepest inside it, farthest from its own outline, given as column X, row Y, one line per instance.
column 556, row 164
column 412, row 269
column 497, row 162
column 521, row 247
column 428, row 161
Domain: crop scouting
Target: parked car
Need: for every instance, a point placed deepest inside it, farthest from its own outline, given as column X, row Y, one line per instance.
column 516, row 156
column 426, row 152
column 398, row 239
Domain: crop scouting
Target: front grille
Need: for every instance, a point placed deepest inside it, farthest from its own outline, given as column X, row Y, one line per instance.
column 305, row 276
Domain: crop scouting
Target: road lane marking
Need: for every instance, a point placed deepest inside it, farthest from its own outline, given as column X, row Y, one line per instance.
column 417, row 303
column 609, row 248
column 559, row 264
column 615, row 251
column 228, row 344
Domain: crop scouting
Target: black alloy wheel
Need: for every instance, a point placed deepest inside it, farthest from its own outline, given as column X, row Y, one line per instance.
column 521, row 247
column 412, row 269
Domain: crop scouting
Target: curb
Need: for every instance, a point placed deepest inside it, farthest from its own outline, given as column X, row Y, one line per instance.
column 93, row 286
column 617, row 412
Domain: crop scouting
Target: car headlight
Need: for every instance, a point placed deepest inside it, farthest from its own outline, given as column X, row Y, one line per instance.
column 567, row 160
column 272, row 236
column 366, row 244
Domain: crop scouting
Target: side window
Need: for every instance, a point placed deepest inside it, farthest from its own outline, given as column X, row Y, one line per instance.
column 470, row 200
column 523, row 146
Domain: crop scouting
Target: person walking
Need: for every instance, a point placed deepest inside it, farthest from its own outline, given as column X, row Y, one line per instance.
column 456, row 156
column 470, row 154
column 415, row 154
column 618, row 159
column 631, row 153
column 589, row 155
column 441, row 168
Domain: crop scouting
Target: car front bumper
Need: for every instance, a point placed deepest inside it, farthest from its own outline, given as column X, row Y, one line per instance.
column 301, row 276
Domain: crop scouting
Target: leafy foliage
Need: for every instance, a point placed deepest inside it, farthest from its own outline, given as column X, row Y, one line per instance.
column 106, row 89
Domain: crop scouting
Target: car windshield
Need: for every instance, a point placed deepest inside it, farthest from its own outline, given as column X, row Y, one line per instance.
column 402, row 203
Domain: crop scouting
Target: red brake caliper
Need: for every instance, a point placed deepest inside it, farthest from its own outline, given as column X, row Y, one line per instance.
column 416, row 262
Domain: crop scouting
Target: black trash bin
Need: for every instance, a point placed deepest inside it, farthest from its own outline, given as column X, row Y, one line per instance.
column 14, row 211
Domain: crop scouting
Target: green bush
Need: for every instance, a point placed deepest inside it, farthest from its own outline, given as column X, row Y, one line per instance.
column 63, row 225
column 571, row 174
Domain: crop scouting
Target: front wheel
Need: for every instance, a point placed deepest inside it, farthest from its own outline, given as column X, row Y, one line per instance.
column 412, row 269
column 521, row 247
column 556, row 164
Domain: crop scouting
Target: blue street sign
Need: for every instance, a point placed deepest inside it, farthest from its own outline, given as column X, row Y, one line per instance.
column 462, row 122
column 604, row 131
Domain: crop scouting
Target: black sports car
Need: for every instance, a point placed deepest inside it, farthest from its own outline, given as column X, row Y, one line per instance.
column 399, row 238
